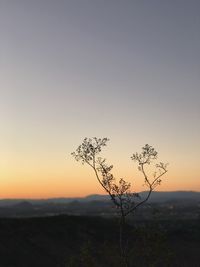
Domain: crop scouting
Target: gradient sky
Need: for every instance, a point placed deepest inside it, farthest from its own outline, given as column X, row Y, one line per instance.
column 127, row 70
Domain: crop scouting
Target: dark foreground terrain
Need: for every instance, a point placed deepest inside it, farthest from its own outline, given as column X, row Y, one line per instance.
column 77, row 241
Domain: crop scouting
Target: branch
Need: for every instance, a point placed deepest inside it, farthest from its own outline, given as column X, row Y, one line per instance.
column 108, row 191
column 151, row 187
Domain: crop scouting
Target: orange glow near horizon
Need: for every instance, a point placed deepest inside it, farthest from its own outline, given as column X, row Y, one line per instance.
column 44, row 174
column 76, row 180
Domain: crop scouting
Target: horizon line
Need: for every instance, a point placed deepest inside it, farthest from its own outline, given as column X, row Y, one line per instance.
column 93, row 194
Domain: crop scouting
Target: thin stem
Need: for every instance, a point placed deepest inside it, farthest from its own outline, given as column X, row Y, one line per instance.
column 151, row 187
column 110, row 194
column 121, row 241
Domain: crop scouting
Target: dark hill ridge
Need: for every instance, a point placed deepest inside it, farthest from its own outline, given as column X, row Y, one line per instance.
column 174, row 205
column 155, row 197
column 173, row 195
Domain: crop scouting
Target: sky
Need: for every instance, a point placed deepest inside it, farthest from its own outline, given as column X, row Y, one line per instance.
column 127, row 70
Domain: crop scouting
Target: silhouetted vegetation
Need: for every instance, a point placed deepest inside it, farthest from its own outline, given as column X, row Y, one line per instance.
column 74, row 241
column 121, row 194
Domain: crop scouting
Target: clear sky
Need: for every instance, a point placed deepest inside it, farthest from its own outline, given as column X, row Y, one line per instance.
column 127, row 70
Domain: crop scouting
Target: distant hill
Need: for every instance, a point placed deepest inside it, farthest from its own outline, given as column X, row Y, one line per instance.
column 15, row 201
column 184, row 203
column 156, row 196
column 173, row 196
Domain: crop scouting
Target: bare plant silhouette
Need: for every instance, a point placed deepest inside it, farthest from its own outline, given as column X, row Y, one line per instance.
column 125, row 200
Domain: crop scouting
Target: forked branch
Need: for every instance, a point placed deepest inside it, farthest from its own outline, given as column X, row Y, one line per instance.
column 120, row 192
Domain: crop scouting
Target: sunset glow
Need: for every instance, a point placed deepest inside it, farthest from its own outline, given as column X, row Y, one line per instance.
column 73, row 69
